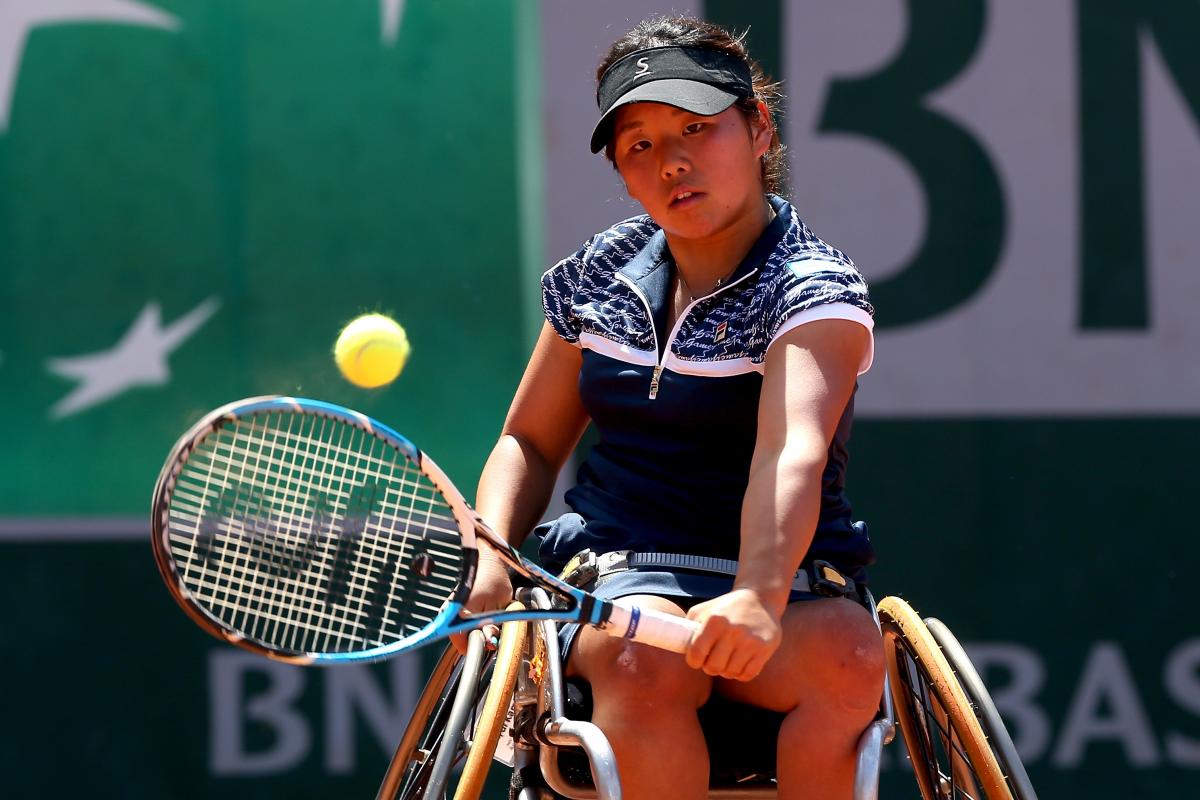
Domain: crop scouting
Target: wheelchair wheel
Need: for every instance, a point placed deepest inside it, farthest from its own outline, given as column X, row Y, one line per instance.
column 414, row 754
column 985, row 710
column 950, row 753
column 493, row 712
column 435, row 740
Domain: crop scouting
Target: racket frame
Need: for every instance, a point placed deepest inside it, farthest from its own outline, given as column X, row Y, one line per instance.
column 450, row 620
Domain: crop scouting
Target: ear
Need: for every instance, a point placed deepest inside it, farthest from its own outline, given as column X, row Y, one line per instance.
column 762, row 130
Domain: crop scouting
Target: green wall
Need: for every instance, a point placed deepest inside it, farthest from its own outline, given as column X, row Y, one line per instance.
column 1024, row 444
column 193, row 200
column 203, row 192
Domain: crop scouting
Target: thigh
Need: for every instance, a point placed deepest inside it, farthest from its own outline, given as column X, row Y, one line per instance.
column 627, row 668
column 831, row 647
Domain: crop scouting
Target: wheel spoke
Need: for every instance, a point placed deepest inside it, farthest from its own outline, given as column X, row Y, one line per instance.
column 942, row 749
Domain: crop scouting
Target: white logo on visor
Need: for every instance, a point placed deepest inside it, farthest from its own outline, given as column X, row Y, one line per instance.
column 643, row 68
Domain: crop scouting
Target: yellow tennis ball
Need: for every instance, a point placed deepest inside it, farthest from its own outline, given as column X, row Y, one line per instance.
column 371, row 350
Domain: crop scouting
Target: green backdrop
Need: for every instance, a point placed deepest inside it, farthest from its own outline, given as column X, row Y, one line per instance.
column 191, row 205
column 194, row 196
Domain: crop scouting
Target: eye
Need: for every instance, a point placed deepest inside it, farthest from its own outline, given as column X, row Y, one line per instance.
column 639, row 146
column 695, row 127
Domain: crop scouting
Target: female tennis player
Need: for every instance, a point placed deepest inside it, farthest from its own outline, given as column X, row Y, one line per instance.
column 715, row 343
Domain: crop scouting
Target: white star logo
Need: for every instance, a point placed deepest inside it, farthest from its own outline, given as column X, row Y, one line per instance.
column 18, row 17
column 391, row 11
column 139, row 359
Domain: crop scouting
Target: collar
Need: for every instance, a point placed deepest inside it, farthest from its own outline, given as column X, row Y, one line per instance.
column 653, row 267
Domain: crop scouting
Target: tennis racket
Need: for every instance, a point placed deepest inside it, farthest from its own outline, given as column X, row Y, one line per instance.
column 312, row 534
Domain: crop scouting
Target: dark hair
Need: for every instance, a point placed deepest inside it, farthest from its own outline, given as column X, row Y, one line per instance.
column 691, row 32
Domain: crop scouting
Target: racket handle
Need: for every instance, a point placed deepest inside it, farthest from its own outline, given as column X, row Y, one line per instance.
column 655, row 628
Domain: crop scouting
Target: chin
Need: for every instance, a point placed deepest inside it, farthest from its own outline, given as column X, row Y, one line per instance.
column 690, row 231
column 689, row 226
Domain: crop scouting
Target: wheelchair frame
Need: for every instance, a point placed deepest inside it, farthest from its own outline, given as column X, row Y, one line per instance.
column 963, row 750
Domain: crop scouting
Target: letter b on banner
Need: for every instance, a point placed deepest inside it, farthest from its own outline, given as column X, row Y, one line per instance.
column 966, row 206
column 258, row 726
column 272, row 709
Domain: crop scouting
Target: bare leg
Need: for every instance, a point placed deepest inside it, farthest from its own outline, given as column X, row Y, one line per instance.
column 828, row 676
column 645, row 701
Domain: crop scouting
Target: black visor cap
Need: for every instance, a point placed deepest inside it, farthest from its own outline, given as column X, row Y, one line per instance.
column 696, row 79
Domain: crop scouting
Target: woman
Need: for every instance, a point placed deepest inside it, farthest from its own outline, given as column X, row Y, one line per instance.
column 715, row 343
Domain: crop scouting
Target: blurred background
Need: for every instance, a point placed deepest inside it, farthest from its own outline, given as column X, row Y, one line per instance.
column 195, row 196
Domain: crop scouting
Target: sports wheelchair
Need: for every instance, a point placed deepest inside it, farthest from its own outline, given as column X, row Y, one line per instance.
column 512, row 693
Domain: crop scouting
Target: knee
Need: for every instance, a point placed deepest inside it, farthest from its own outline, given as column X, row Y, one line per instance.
column 647, row 678
column 854, row 663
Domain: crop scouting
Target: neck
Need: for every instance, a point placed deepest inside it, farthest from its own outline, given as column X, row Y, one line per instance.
column 704, row 262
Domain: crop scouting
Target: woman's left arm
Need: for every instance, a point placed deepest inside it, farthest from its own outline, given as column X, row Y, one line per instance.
column 808, row 378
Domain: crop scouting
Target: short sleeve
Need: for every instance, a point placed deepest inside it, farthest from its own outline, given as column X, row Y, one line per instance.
column 559, row 284
column 820, row 287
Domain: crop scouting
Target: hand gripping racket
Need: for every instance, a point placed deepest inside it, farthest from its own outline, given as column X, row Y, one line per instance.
column 312, row 534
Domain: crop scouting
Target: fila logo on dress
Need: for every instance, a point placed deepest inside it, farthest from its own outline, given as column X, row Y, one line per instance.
column 722, row 329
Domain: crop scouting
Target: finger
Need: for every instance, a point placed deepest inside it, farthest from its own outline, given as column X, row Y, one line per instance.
column 751, row 670
column 738, row 663
column 697, row 652
column 704, row 641
column 756, row 664
column 698, row 612
column 717, row 662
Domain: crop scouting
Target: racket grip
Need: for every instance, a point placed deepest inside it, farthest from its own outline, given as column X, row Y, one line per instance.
column 655, row 628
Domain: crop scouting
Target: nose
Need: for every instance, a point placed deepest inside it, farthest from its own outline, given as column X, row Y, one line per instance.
column 674, row 162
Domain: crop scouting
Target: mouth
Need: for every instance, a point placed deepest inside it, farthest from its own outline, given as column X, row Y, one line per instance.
column 685, row 197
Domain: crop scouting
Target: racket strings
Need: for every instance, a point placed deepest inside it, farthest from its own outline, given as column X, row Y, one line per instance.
column 310, row 534
column 352, row 596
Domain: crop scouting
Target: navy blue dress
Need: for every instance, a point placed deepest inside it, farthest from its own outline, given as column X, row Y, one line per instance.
column 676, row 410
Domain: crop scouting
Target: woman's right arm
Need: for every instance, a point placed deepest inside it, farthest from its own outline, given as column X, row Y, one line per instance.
column 543, row 425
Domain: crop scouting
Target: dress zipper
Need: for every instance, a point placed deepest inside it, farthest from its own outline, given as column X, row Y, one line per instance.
column 654, row 380
column 658, row 368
